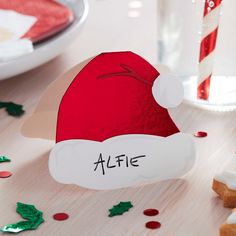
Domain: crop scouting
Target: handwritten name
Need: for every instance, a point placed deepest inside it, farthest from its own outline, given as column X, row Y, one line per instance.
column 116, row 162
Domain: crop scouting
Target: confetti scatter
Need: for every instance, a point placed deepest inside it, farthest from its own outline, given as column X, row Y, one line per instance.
column 4, row 159
column 5, row 174
column 200, row 134
column 33, row 218
column 60, row 216
column 153, row 225
column 12, row 109
column 120, row 208
column 151, row 212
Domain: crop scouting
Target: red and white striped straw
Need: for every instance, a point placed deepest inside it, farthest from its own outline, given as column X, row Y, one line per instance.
column 210, row 25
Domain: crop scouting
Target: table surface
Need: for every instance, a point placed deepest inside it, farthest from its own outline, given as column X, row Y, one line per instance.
column 188, row 206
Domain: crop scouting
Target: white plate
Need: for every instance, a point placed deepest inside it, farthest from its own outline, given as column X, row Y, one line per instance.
column 46, row 51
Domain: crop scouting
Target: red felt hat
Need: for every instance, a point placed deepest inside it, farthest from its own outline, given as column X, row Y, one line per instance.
column 111, row 96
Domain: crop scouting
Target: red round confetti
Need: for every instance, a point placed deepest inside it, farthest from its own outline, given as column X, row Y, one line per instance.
column 5, row 174
column 153, row 225
column 60, row 216
column 151, row 212
column 200, row 134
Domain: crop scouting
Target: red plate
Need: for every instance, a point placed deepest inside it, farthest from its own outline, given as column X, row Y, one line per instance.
column 52, row 16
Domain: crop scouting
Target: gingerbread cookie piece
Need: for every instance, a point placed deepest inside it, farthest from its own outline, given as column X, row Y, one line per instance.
column 224, row 184
column 229, row 227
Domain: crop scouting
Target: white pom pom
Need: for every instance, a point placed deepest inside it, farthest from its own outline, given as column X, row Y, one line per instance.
column 168, row 91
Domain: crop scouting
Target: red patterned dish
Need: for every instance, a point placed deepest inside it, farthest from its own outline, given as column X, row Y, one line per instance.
column 52, row 16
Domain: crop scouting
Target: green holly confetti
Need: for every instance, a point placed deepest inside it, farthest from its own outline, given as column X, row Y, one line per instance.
column 120, row 208
column 4, row 159
column 12, row 109
column 33, row 216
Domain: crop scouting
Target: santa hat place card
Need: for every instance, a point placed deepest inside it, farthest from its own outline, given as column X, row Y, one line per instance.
column 109, row 118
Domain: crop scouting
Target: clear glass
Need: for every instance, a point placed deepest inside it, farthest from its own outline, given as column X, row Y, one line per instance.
column 179, row 37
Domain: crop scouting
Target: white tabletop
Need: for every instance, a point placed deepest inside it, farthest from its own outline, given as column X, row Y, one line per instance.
column 188, row 206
